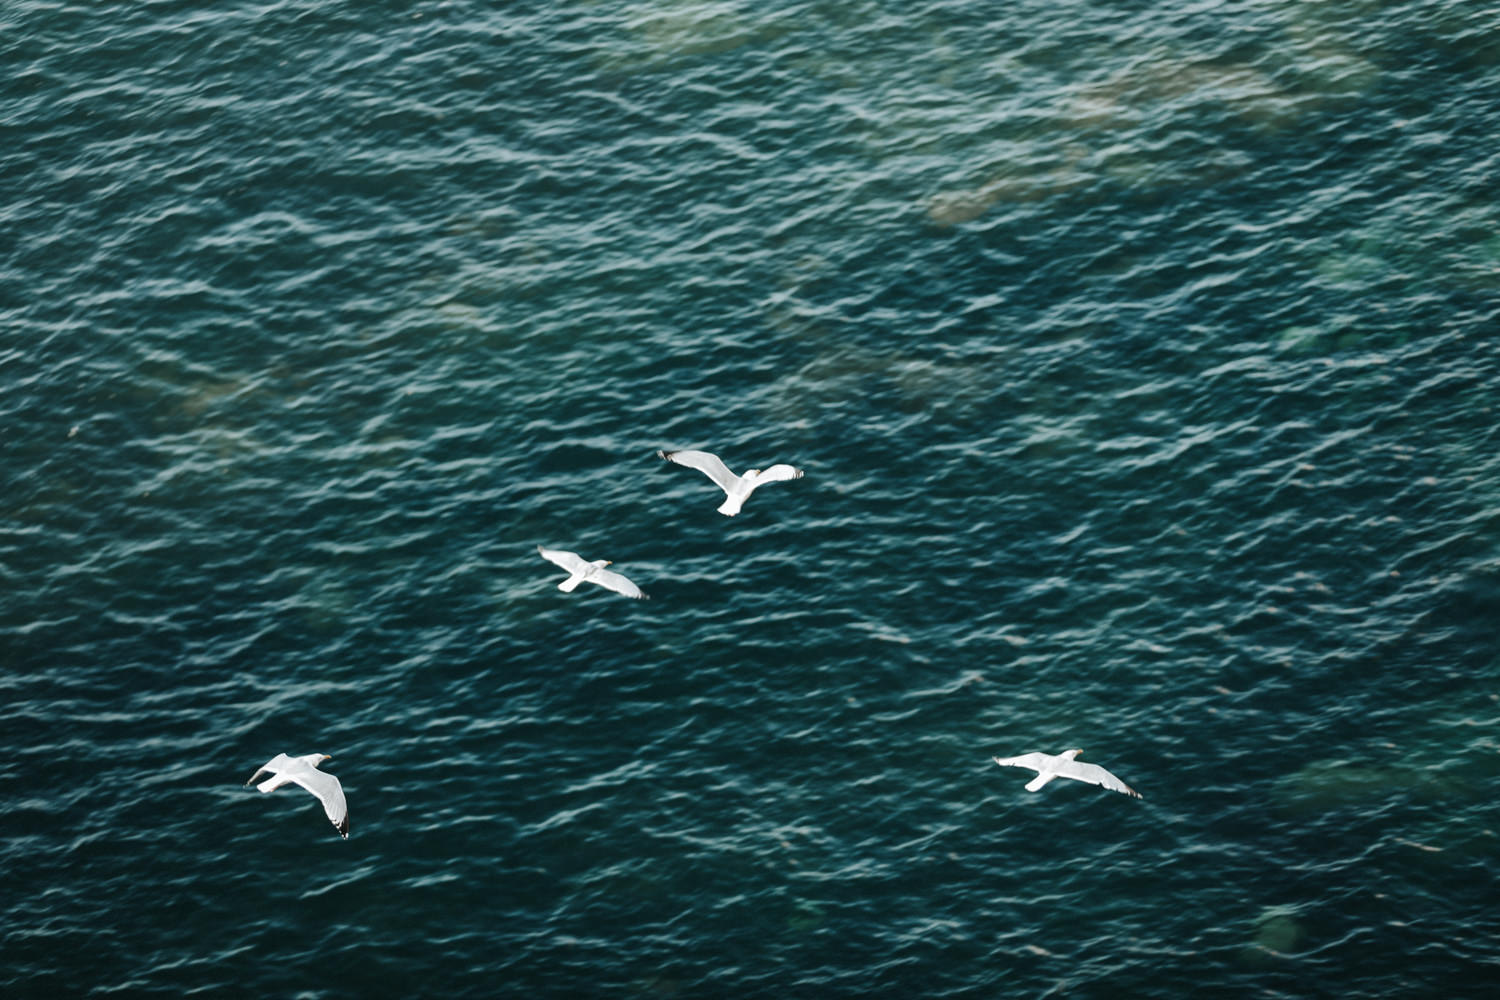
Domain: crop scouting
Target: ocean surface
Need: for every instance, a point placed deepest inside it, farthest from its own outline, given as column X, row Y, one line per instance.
column 1143, row 359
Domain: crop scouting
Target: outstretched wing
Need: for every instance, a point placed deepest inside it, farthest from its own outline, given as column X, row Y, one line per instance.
column 1094, row 775
column 569, row 561
column 707, row 463
column 778, row 473
column 272, row 767
column 1035, row 761
column 619, row 584
column 329, row 792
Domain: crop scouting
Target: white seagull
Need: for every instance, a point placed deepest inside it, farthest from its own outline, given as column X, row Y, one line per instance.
column 580, row 571
column 739, row 488
column 1062, row 765
column 304, row 771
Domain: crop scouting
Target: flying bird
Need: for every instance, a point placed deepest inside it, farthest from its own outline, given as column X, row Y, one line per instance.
column 738, row 488
column 580, row 571
column 1062, row 765
column 304, row 771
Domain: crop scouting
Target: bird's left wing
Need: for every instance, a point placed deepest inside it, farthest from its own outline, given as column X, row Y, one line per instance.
column 709, row 464
column 569, row 561
column 273, row 767
column 1031, row 760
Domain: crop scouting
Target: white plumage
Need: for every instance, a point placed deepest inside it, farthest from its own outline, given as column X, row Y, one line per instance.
column 304, row 771
column 1062, row 765
column 737, row 488
column 581, row 571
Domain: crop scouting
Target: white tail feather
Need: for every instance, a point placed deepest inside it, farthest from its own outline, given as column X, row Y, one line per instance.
column 271, row 784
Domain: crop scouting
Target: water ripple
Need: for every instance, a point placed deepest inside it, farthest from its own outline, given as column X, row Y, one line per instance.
column 1140, row 360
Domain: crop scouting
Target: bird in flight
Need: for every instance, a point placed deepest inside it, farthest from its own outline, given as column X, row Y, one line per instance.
column 580, row 571
column 1062, row 765
column 738, row 488
column 304, row 771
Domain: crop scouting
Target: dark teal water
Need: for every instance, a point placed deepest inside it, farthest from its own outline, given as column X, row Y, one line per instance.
column 1142, row 359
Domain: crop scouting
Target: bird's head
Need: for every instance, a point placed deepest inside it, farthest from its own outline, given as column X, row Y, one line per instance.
column 1072, row 753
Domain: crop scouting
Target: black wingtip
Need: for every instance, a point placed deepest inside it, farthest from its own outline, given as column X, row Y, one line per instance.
column 343, row 828
column 665, row 456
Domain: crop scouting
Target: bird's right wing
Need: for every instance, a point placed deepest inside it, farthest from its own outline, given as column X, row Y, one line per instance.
column 619, row 584
column 707, row 463
column 1095, row 775
column 778, row 473
column 329, row 792
column 569, row 561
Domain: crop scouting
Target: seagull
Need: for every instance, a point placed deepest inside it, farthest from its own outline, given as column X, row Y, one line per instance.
column 1062, row 765
column 590, row 572
column 739, row 488
column 304, row 771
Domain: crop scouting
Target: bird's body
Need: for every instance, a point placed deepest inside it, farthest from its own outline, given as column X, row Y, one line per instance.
column 1062, row 765
column 582, row 571
column 304, row 771
column 736, row 488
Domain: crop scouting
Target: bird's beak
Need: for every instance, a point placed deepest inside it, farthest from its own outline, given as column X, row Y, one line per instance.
column 328, row 756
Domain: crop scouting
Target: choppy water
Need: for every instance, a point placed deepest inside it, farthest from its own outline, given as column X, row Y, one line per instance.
column 1142, row 360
